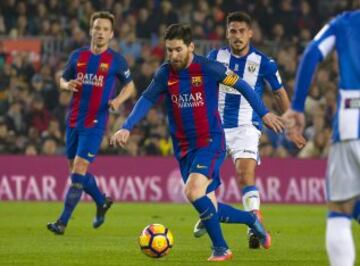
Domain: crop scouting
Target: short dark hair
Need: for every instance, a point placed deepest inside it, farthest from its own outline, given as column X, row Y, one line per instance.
column 179, row 31
column 238, row 16
column 102, row 14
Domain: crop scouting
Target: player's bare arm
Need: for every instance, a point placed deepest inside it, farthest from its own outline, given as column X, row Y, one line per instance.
column 127, row 91
column 283, row 101
column 71, row 85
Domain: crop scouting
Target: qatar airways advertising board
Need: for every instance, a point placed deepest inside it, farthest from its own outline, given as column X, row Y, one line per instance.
column 155, row 179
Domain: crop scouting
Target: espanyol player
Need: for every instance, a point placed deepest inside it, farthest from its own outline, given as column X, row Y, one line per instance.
column 343, row 169
column 241, row 124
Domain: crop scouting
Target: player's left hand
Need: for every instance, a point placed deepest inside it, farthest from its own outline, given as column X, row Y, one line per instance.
column 273, row 122
column 120, row 138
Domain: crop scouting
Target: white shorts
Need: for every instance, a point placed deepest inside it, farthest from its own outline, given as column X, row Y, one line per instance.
column 243, row 142
column 343, row 171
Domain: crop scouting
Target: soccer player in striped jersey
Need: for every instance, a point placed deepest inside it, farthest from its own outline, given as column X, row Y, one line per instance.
column 190, row 85
column 91, row 75
column 343, row 169
column 242, row 125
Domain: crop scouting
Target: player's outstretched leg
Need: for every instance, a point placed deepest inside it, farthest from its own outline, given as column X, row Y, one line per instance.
column 72, row 198
column 229, row 214
column 103, row 203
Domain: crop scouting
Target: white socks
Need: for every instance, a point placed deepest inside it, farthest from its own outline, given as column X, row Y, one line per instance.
column 251, row 200
column 339, row 241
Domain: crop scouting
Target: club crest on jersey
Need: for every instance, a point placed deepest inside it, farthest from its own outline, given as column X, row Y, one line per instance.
column 90, row 79
column 196, row 81
column 252, row 67
column 104, row 67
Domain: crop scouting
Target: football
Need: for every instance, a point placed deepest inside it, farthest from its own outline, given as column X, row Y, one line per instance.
column 156, row 240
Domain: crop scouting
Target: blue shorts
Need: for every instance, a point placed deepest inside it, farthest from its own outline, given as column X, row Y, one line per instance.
column 207, row 161
column 83, row 143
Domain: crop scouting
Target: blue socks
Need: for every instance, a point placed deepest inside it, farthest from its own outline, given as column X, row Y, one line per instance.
column 228, row 214
column 73, row 196
column 356, row 211
column 333, row 214
column 210, row 219
column 91, row 188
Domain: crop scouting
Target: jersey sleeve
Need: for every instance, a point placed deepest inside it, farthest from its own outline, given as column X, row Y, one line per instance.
column 322, row 44
column 324, row 41
column 272, row 75
column 216, row 70
column 122, row 70
column 212, row 55
column 157, row 87
column 70, row 67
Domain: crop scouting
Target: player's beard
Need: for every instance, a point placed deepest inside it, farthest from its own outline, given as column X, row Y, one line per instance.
column 238, row 49
column 181, row 64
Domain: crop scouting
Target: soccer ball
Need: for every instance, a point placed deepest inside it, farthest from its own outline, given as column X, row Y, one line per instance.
column 156, row 240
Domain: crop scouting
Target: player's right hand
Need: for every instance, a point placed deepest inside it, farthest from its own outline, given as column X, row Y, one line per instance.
column 73, row 85
column 273, row 122
column 120, row 138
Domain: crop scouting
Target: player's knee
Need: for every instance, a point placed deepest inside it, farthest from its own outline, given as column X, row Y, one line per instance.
column 80, row 166
column 193, row 192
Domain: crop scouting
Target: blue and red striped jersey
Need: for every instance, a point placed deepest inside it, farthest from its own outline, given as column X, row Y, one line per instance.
column 192, row 102
column 99, row 74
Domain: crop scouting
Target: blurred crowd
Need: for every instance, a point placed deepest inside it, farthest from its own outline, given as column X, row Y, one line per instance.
column 33, row 110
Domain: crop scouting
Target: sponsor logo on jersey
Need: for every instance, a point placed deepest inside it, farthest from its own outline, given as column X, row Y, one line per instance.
column 91, row 79
column 188, row 100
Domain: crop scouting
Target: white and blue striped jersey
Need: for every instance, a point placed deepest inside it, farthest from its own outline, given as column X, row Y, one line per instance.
column 255, row 68
column 343, row 34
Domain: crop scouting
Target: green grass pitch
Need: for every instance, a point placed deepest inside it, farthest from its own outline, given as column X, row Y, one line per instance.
column 297, row 232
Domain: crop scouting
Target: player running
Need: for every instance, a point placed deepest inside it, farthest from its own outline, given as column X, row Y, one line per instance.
column 91, row 75
column 241, row 124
